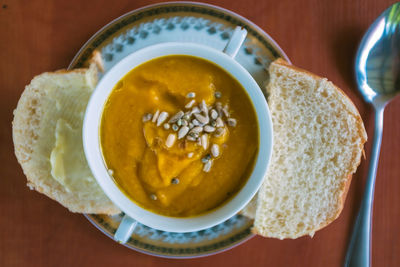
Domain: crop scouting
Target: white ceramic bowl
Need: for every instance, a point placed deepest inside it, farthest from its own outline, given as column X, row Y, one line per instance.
column 91, row 139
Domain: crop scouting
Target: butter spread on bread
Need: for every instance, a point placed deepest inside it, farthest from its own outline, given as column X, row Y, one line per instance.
column 47, row 134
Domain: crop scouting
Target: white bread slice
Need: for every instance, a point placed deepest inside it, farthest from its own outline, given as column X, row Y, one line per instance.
column 318, row 142
column 51, row 98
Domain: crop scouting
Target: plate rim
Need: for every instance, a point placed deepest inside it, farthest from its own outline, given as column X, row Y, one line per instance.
column 206, row 254
column 188, row 3
column 93, row 37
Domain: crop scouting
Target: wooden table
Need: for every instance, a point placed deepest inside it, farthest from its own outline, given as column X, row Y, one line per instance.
column 319, row 35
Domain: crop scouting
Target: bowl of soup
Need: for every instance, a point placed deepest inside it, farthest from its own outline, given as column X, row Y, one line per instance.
column 179, row 136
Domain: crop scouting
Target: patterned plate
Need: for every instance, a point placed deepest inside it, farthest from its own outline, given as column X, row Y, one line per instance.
column 181, row 22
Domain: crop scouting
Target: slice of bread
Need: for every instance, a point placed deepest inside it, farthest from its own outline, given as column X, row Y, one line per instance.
column 318, row 142
column 47, row 130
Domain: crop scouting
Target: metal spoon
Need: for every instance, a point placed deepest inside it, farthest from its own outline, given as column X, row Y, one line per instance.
column 377, row 69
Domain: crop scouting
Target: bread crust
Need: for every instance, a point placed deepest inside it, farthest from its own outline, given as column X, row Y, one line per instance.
column 344, row 187
column 27, row 117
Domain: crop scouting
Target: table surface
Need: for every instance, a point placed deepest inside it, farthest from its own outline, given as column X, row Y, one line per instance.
column 318, row 35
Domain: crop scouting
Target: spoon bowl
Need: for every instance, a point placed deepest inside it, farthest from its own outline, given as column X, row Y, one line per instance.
column 377, row 65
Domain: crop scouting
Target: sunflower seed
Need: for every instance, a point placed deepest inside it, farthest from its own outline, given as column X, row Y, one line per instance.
column 175, row 127
column 225, row 111
column 191, row 125
column 197, row 129
column 219, row 122
column 170, row 140
column 179, row 122
column 155, row 116
column 194, row 135
column 217, row 94
column 198, row 141
column 176, row 117
column 206, row 158
column 185, row 123
column 191, row 95
column 163, row 116
column 153, row 197
column 203, row 107
column 183, row 131
column 175, row 181
column 207, row 166
column 190, row 155
column 219, row 132
column 204, row 141
column 166, row 126
column 218, row 106
column 195, row 110
column 146, row 117
column 202, row 119
column 195, row 122
column 209, row 129
column 190, row 138
column 213, row 114
column 232, row 122
column 190, row 104
column 215, row 150
column 187, row 116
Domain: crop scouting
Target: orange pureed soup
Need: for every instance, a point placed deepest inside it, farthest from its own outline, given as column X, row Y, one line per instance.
column 179, row 135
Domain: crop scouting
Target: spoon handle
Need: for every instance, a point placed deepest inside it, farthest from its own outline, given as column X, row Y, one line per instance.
column 359, row 250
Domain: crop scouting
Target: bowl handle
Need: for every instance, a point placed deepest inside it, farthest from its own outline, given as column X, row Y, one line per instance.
column 235, row 42
column 125, row 229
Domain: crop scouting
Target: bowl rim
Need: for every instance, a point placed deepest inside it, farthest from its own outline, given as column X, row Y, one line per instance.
column 91, row 137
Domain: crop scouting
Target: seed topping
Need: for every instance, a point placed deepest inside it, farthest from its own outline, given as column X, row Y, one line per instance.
column 190, row 104
column 183, row 131
column 170, row 140
column 191, row 95
column 202, row 119
column 213, row 114
column 204, row 141
column 162, row 117
column 199, row 124
column 232, row 122
column 175, row 180
column 147, row 117
column 207, row 166
column 215, row 150
column 209, row 129
column 155, row 116
column 175, row 127
column 176, row 117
